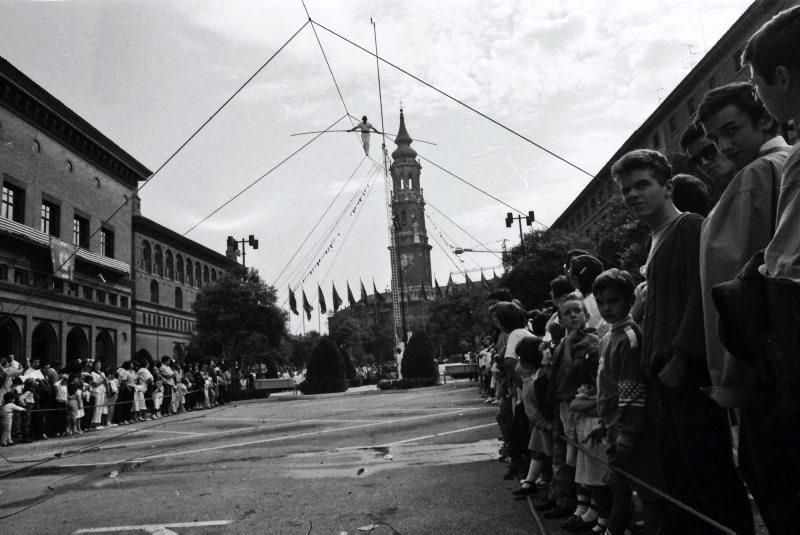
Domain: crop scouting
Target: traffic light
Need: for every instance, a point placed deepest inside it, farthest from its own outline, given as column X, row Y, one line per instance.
column 251, row 239
column 529, row 219
column 255, row 244
column 231, row 242
column 509, row 219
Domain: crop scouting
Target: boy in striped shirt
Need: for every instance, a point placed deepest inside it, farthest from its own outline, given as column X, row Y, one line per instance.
column 622, row 394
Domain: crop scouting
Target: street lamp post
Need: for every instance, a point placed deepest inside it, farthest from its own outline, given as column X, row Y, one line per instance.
column 528, row 220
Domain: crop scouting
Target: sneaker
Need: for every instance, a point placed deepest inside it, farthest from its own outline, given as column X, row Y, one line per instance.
column 100, row 427
column 112, row 425
column 525, row 491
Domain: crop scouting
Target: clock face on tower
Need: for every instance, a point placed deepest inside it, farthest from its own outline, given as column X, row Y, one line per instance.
column 406, row 260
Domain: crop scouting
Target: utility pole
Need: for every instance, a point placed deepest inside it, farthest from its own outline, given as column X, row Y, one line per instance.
column 528, row 221
column 233, row 247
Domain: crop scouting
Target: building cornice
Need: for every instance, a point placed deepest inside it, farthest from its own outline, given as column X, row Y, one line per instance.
column 148, row 227
column 29, row 101
column 744, row 26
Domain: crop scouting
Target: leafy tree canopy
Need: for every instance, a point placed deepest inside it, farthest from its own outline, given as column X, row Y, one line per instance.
column 238, row 318
column 457, row 319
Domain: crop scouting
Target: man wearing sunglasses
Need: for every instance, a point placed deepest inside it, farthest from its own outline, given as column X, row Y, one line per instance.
column 704, row 157
column 741, row 224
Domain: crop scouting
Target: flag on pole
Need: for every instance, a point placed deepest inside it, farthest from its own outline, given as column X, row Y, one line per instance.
column 423, row 293
column 363, row 293
column 378, row 295
column 350, row 299
column 293, row 302
column 494, row 275
column 449, row 285
column 321, row 299
column 306, row 306
column 438, row 291
column 485, row 282
column 467, row 280
column 337, row 301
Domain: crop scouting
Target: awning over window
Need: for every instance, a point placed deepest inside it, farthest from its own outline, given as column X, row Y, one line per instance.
column 40, row 238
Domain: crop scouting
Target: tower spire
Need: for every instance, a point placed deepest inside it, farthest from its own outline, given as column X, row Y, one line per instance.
column 403, row 142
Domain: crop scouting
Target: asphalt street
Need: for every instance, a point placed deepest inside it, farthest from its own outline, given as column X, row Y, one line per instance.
column 416, row 461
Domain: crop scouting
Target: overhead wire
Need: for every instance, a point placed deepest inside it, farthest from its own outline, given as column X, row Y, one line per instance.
column 319, row 220
column 259, row 179
column 479, row 242
column 309, row 258
column 456, row 100
column 450, row 242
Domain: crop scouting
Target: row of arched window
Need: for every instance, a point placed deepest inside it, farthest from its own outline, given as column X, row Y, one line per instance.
column 175, row 267
column 155, row 297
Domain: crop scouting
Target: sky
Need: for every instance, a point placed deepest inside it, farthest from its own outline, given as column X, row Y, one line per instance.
column 576, row 77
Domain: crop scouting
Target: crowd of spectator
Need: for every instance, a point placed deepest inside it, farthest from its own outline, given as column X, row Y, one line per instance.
column 41, row 402
column 679, row 382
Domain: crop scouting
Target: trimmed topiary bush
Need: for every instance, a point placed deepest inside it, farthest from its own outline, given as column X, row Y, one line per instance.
column 418, row 358
column 325, row 372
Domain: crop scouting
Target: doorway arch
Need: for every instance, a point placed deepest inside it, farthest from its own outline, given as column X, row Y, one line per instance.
column 44, row 344
column 77, row 345
column 10, row 337
column 104, row 349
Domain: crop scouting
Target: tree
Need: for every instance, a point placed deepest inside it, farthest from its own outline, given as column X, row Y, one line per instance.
column 238, row 319
column 326, row 371
column 529, row 272
column 457, row 319
column 418, row 358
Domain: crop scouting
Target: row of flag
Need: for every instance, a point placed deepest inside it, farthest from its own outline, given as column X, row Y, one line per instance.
column 379, row 297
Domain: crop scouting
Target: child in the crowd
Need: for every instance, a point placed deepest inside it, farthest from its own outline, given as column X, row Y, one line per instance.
column 111, row 400
column 60, row 396
column 6, row 417
column 139, row 402
column 158, row 398
column 27, row 400
column 622, row 395
column 574, row 364
column 540, row 443
column 583, row 270
column 180, row 397
column 75, row 407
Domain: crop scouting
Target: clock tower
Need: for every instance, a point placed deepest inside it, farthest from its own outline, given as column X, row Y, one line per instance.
column 408, row 214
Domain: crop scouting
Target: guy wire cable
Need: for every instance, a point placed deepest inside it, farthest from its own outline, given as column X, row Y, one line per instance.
column 450, row 242
column 318, row 221
column 309, row 257
column 47, row 280
column 454, row 99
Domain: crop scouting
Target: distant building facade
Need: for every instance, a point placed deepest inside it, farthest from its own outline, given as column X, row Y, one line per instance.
column 662, row 130
column 169, row 272
column 65, row 230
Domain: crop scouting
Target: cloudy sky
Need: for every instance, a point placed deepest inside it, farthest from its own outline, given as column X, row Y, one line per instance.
column 575, row 76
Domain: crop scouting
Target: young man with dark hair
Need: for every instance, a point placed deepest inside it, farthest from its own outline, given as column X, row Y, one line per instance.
column 707, row 159
column 772, row 464
column 692, row 431
column 743, row 221
column 690, row 194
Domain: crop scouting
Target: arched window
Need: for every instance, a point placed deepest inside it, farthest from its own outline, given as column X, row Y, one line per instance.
column 403, row 220
column 178, row 298
column 170, row 266
column 179, row 268
column 198, row 274
column 153, row 292
column 213, row 275
column 206, row 276
column 189, row 272
column 158, row 261
column 147, row 257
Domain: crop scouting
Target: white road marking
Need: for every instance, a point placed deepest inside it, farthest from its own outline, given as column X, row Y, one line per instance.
column 158, row 529
column 299, row 435
column 175, row 432
column 416, row 439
